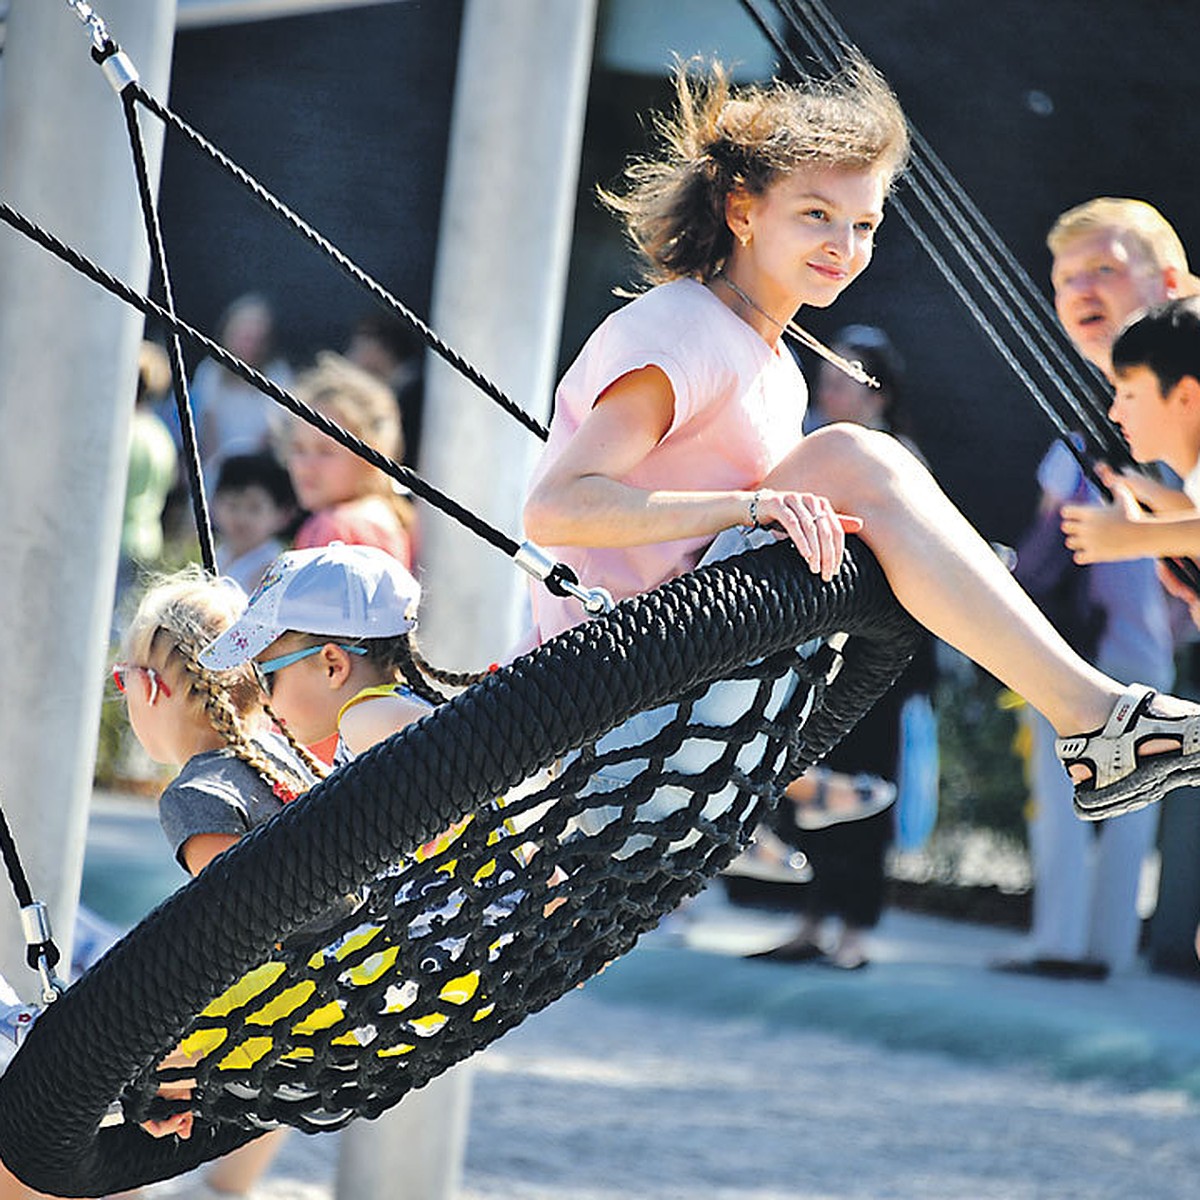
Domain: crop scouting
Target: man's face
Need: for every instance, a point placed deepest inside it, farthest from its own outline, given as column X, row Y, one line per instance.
column 1100, row 279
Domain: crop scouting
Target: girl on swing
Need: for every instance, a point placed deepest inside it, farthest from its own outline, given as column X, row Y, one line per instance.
column 681, row 417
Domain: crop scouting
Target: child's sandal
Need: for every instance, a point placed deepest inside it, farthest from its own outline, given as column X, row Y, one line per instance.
column 1120, row 781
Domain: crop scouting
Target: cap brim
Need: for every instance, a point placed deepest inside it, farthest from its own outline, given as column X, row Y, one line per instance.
column 238, row 644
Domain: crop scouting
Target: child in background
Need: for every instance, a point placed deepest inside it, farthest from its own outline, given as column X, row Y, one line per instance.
column 329, row 632
column 237, row 772
column 1156, row 362
column 252, row 506
column 349, row 500
column 838, row 818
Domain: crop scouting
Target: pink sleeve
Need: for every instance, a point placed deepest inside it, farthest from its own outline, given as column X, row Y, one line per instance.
column 622, row 349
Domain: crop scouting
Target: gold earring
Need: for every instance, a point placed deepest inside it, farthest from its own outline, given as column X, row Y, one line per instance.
column 744, row 239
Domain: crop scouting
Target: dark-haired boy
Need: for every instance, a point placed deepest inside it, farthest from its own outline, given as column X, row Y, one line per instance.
column 252, row 506
column 1156, row 368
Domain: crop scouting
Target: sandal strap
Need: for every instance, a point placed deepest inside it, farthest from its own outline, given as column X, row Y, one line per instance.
column 1111, row 753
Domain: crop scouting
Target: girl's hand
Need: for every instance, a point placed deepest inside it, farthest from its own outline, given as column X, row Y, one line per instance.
column 179, row 1124
column 819, row 533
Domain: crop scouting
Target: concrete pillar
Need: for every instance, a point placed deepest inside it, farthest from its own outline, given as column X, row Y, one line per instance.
column 523, row 73
column 498, row 297
column 67, row 369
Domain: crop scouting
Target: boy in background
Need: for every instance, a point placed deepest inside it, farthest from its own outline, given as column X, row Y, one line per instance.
column 253, row 507
column 1156, row 364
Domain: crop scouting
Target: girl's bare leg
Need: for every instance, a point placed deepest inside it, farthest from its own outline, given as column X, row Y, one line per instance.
column 11, row 1188
column 945, row 574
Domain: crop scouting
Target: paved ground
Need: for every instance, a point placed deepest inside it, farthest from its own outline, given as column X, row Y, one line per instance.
column 687, row 1071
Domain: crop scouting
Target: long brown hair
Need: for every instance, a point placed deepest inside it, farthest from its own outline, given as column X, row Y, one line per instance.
column 718, row 141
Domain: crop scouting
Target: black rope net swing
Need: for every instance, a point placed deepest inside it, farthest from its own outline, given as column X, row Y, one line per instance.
column 441, row 951
column 460, row 876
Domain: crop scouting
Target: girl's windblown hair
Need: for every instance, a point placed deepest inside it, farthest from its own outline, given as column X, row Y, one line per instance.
column 720, row 140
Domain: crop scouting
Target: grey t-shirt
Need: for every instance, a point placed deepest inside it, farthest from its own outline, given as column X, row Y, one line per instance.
column 218, row 793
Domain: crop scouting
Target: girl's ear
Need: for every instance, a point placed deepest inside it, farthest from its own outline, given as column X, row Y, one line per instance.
column 737, row 214
column 337, row 663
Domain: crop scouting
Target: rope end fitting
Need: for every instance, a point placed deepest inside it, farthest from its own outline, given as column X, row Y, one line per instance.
column 561, row 580
column 41, row 952
column 117, row 66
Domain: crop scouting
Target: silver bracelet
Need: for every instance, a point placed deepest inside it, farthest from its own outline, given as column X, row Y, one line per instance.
column 754, row 509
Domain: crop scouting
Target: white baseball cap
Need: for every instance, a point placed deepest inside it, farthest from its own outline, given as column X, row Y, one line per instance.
column 339, row 590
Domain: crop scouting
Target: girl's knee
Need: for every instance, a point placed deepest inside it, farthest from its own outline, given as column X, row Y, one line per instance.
column 865, row 457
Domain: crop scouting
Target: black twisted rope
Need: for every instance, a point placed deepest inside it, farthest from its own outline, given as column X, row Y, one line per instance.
column 276, row 206
column 36, row 953
column 405, row 475
column 491, row 951
column 183, row 407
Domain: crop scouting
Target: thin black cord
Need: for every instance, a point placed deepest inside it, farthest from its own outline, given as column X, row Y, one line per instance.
column 376, row 289
column 158, row 256
column 231, row 362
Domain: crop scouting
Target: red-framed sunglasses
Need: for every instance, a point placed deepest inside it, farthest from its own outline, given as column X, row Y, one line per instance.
column 157, row 684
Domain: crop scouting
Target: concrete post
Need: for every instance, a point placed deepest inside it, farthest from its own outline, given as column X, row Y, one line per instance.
column 67, row 369
column 523, row 74
column 498, row 297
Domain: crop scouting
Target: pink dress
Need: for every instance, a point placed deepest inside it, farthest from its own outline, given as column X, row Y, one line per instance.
column 739, row 409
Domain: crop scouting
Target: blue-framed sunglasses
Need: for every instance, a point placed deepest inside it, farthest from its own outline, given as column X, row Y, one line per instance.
column 265, row 669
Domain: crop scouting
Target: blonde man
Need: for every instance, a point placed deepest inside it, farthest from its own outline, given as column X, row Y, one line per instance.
column 1111, row 257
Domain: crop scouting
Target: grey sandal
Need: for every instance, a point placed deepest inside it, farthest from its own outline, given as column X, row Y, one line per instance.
column 1120, row 781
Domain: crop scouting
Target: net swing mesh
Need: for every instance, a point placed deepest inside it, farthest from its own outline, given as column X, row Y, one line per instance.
column 460, row 876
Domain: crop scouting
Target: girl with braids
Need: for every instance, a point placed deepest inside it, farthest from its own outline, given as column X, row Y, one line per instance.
column 329, row 634
column 681, row 418
column 237, row 771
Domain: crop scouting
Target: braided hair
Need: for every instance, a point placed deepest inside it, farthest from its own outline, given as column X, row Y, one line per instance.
column 399, row 657
column 178, row 616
